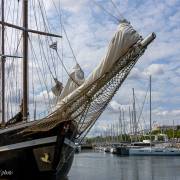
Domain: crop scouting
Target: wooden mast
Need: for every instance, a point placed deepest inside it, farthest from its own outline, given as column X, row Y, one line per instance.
column 2, row 64
column 3, row 56
column 25, row 60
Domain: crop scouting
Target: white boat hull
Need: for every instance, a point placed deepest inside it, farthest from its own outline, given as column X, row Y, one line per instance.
column 154, row 151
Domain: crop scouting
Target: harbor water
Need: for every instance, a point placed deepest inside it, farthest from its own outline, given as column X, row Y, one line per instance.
column 91, row 165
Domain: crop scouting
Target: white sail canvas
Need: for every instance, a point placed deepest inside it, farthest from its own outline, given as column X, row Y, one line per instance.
column 123, row 39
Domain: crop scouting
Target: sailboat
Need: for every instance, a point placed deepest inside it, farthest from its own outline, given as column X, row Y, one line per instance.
column 153, row 150
column 44, row 148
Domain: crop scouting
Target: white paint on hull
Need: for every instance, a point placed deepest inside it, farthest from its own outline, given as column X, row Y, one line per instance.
column 26, row 144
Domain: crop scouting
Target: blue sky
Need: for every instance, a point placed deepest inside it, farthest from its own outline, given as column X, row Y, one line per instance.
column 90, row 29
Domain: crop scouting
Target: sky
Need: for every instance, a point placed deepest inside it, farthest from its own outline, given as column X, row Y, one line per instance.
column 90, row 29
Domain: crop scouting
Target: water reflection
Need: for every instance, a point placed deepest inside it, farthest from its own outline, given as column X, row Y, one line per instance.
column 101, row 166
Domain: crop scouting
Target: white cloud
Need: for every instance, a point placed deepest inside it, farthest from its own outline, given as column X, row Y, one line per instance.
column 44, row 96
column 154, row 70
column 116, row 106
column 168, row 113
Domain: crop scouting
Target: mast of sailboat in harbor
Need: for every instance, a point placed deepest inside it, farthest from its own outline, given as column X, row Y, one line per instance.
column 134, row 115
column 120, row 125
column 150, row 120
column 130, row 124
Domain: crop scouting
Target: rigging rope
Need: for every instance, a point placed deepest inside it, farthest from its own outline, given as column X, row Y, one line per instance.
column 107, row 12
column 61, row 22
column 40, row 41
column 8, row 11
column 12, row 73
column 35, row 58
column 143, row 104
column 141, row 110
column 47, row 28
column 116, row 7
column 62, row 47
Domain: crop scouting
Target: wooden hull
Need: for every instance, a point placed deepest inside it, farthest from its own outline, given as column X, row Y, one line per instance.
column 47, row 155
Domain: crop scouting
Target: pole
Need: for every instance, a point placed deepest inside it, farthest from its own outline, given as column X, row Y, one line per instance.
column 25, row 60
column 134, row 115
column 120, row 122
column 150, row 112
column 130, row 124
column 173, row 132
column 2, row 64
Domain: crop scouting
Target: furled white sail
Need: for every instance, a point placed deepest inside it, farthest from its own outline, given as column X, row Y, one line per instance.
column 57, row 89
column 75, row 80
column 123, row 39
column 84, row 104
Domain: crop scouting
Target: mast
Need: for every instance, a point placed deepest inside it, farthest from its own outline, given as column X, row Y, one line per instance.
column 120, row 122
column 150, row 111
column 134, row 114
column 173, row 132
column 3, row 56
column 2, row 64
column 130, row 123
column 25, row 60
column 124, row 128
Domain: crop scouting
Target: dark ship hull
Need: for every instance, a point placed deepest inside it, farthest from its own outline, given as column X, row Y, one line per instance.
column 41, row 155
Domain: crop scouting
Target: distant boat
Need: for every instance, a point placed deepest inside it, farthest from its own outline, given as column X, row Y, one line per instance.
column 107, row 149
column 153, row 151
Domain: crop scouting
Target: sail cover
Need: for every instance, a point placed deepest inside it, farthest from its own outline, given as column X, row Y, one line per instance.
column 124, row 38
column 76, row 78
column 57, row 89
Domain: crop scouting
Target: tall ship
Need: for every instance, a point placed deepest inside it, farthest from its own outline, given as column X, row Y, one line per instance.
column 42, row 147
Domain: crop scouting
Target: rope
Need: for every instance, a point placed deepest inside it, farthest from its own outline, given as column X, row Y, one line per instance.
column 143, row 105
column 40, row 41
column 62, row 47
column 63, row 27
column 116, row 7
column 63, row 65
column 43, row 70
column 35, row 58
column 47, row 29
column 66, row 70
column 107, row 12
